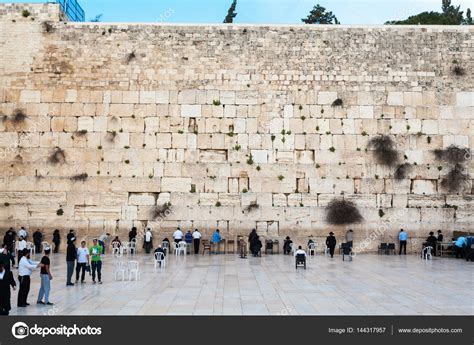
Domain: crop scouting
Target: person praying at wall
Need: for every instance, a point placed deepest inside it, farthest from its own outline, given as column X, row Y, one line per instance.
column 331, row 243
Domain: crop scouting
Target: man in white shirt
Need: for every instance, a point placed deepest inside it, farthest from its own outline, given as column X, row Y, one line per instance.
column 148, row 244
column 23, row 233
column 300, row 251
column 82, row 261
column 21, row 248
column 197, row 240
column 25, row 268
column 102, row 239
column 178, row 235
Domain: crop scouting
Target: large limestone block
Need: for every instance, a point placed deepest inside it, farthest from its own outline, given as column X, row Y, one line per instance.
column 175, row 184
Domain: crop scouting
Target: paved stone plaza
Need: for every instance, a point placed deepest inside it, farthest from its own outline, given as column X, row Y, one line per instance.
column 228, row 285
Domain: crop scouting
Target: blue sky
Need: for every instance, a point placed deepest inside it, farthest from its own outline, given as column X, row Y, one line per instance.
column 255, row 11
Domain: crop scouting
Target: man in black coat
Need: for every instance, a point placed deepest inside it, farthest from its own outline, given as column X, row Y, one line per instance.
column 331, row 243
column 5, row 257
column 37, row 239
column 6, row 280
column 71, row 256
column 9, row 240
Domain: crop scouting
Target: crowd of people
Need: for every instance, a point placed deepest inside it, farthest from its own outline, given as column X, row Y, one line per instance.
column 84, row 260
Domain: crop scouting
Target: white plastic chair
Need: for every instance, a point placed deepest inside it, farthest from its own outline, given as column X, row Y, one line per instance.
column 160, row 259
column 166, row 247
column 31, row 247
column 311, row 249
column 133, row 269
column 180, row 248
column 45, row 245
column 120, row 269
column 115, row 248
column 132, row 246
column 326, row 250
column 426, row 253
column 293, row 248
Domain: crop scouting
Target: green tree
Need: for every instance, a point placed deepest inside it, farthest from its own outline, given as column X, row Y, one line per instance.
column 450, row 15
column 318, row 15
column 231, row 14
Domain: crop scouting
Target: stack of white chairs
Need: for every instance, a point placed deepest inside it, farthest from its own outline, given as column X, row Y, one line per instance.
column 160, row 259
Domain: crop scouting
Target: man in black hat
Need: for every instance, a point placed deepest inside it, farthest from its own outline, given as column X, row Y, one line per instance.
column 331, row 243
column 9, row 240
column 70, row 236
column 6, row 280
column 431, row 241
column 71, row 256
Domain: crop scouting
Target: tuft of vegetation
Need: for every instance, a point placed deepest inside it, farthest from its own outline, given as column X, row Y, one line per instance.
column 453, row 154
column 111, row 136
column 47, row 27
column 218, row 204
column 80, row 177
column 60, row 212
column 81, row 133
column 402, row 171
column 216, row 102
column 458, row 71
column 58, row 156
column 18, row 116
column 381, row 213
column 455, row 180
column 25, row 13
column 281, row 177
column 251, row 207
column 384, row 150
column 250, row 160
column 161, row 211
column 130, row 57
column 340, row 212
column 193, row 188
column 337, row 103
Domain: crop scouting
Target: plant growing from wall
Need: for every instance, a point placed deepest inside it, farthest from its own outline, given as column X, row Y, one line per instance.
column 253, row 206
column 47, row 27
column 130, row 57
column 60, row 212
column 160, row 211
column 58, row 156
column 81, row 133
column 453, row 154
column 402, row 171
column 79, row 177
column 337, row 103
column 18, row 116
column 25, row 13
column 216, row 102
column 111, row 136
column 341, row 212
column 456, row 180
column 250, row 160
column 384, row 150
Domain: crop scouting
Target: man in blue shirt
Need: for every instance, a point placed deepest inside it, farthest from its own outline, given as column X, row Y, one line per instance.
column 216, row 239
column 403, row 237
column 459, row 247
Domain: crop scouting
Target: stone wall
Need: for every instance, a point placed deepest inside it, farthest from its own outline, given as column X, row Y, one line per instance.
column 216, row 118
